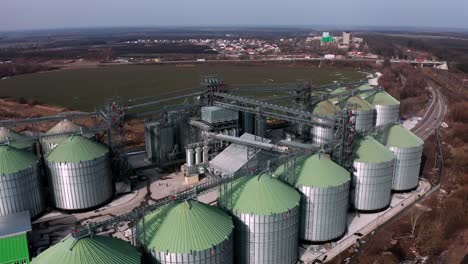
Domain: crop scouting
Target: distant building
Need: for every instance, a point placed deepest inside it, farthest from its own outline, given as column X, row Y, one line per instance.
column 346, row 38
column 358, row 40
column 326, row 38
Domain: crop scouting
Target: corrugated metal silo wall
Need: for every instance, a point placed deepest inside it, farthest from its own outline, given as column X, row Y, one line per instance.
column 81, row 185
column 322, row 134
column 386, row 114
column 159, row 141
column 364, row 120
column 149, row 135
column 323, row 212
column 247, row 122
column 183, row 129
column 22, row 191
column 371, row 185
column 260, row 128
column 263, row 239
column 219, row 254
column 407, row 166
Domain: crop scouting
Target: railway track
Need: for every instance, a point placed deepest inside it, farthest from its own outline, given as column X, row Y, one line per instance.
column 448, row 81
column 434, row 115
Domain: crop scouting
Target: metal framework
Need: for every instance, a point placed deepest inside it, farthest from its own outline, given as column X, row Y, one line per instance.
column 254, row 106
column 213, row 92
column 113, row 115
column 209, row 184
column 345, row 136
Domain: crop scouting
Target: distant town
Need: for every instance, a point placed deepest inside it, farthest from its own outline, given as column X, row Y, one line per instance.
column 312, row 46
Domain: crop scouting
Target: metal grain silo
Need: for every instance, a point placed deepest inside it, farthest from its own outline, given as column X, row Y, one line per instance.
column 247, row 122
column 364, row 90
column 364, row 111
column 79, row 174
column 17, row 140
column 408, row 149
column 324, row 186
column 324, row 134
column 266, row 218
column 93, row 249
column 160, row 140
column 20, row 184
column 333, row 98
column 373, row 167
column 188, row 232
column 387, row 108
column 198, row 155
column 58, row 133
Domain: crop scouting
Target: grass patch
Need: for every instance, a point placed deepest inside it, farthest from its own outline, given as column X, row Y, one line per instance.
column 84, row 89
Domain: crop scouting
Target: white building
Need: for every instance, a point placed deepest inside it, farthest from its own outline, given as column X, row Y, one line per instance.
column 346, row 38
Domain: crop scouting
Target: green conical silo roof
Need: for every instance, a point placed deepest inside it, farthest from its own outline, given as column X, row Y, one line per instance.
column 77, row 148
column 364, row 87
column 64, row 126
column 13, row 160
column 364, row 90
column 90, row 250
column 368, row 150
column 382, row 98
column 398, row 136
column 16, row 139
column 359, row 102
column 325, row 108
column 259, row 195
column 185, row 227
column 338, row 90
column 318, row 171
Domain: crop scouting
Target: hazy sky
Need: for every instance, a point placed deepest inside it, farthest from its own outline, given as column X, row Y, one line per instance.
column 39, row 14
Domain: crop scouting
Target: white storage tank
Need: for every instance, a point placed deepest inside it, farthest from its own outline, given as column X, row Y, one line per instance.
column 324, row 134
column 188, row 232
column 266, row 218
column 373, row 167
column 324, row 186
column 408, row 149
column 59, row 133
column 79, row 174
column 206, row 154
column 198, row 155
column 20, row 183
column 387, row 108
column 364, row 111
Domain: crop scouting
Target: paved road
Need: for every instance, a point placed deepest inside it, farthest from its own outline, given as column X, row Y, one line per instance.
column 286, row 59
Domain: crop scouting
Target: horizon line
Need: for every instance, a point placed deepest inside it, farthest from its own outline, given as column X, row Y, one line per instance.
column 269, row 26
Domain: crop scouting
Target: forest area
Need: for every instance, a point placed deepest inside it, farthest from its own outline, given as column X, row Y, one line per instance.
column 452, row 50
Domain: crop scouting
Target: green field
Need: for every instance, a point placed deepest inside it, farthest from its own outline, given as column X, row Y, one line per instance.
column 86, row 88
